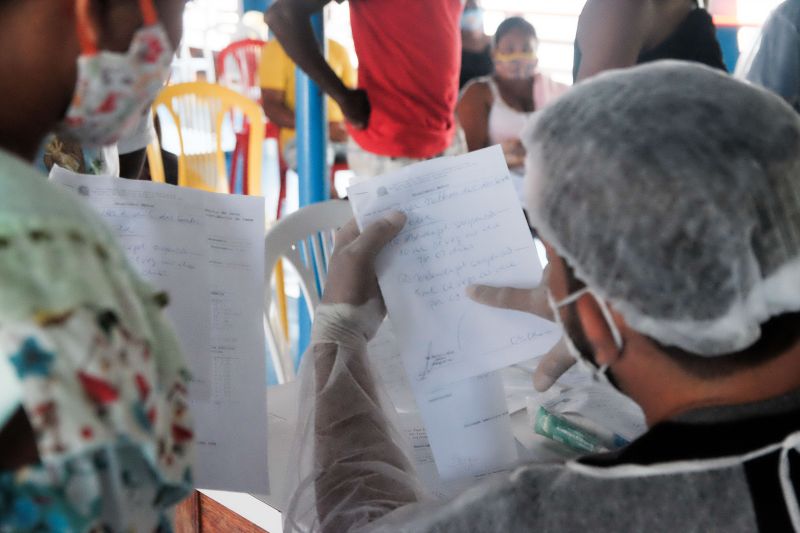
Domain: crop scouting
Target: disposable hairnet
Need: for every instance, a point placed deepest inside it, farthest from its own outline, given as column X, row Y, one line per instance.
column 674, row 192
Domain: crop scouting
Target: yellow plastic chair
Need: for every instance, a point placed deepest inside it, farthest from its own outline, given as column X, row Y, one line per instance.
column 199, row 110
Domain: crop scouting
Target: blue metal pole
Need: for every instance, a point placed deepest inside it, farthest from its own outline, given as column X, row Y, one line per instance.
column 311, row 125
column 255, row 5
column 310, row 121
column 728, row 37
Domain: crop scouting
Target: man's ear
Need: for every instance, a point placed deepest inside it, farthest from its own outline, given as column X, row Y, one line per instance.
column 556, row 273
column 598, row 331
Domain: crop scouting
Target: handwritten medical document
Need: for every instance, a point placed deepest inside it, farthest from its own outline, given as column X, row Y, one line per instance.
column 464, row 226
column 206, row 251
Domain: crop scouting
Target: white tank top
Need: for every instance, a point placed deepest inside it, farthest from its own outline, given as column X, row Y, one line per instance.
column 505, row 122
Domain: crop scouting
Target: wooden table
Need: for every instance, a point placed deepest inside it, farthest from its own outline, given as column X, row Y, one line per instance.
column 208, row 511
column 202, row 514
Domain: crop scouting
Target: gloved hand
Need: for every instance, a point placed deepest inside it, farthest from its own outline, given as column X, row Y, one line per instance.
column 351, row 272
column 558, row 360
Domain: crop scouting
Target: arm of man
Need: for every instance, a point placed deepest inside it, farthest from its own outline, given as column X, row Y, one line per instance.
column 275, row 108
column 274, row 74
column 358, row 470
column 361, row 467
column 610, row 35
column 340, row 61
column 290, row 21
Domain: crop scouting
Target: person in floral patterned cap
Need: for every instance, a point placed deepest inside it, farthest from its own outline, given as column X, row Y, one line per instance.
column 95, row 433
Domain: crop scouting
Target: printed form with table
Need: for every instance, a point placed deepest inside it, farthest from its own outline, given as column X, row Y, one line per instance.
column 458, row 374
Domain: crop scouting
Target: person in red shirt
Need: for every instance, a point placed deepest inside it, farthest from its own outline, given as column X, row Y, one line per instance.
column 409, row 59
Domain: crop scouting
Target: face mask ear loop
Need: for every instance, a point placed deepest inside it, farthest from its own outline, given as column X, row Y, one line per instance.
column 149, row 13
column 572, row 298
column 612, row 326
column 792, row 442
column 87, row 36
column 600, row 375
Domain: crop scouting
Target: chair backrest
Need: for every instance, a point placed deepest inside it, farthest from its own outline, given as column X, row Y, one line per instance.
column 237, row 67
column 305, row 240
column 186, row 67
column 199, row 111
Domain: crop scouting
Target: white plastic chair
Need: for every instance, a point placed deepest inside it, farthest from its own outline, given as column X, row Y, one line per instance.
column 305, row 240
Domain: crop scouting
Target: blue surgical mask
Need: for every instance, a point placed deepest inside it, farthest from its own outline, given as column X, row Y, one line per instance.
column 472, row 19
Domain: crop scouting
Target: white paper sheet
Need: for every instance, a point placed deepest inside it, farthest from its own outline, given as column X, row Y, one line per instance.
column 459, row 432
column 470, row 419
column 161, row 231
column 207, row 251
column 464, row 226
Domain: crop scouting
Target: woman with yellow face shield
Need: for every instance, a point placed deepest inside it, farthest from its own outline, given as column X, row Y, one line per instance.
column 494, row 109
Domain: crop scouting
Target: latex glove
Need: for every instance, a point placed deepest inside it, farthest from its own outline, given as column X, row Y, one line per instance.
column 558, row 360
column 351, row 271
column 356, row 108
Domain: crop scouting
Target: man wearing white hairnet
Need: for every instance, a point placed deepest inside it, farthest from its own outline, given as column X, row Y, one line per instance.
column 672, row 219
